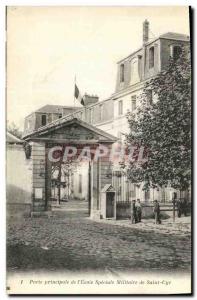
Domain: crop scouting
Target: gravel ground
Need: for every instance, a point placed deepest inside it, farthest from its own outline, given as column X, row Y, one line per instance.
column 70, row 241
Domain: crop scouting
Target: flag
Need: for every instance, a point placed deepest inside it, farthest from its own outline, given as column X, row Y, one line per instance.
column 78, row 95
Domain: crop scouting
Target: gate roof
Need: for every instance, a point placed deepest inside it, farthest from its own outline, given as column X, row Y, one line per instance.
column 72, row 130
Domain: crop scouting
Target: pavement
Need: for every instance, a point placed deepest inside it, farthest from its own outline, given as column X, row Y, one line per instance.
column 181, row 226
column 70, row 240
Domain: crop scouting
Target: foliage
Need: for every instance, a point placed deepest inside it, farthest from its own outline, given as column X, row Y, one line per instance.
column 164, row 128
column 12, row 128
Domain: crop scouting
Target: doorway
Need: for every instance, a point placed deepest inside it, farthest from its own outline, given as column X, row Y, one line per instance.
column 110, row 205
column 70, row 187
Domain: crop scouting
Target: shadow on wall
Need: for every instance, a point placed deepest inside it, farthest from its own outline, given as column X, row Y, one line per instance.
column 18, row 202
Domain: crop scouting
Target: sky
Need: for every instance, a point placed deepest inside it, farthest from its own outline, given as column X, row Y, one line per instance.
column 48, row 46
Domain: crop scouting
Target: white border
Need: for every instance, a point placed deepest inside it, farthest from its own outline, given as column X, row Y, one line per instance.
column 3, row 4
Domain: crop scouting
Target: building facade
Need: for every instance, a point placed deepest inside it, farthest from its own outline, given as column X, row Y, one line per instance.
column 18, row 177
column 46, row 115
column 109, row 115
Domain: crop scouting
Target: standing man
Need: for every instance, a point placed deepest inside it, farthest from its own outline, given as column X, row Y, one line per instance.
column 156, row 210
column 138, row 210
column 174, row 202
column 179, row 208
column 184, row 206
column 133, row 212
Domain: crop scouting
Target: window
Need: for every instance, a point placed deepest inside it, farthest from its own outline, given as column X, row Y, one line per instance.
column 60, row 116
column 100, row 112
column 91, row 115
column 140, row 66
column 80, row 183
column 122, row 73
column 176, row 52
column 133, row 103
column 151, row 57
column 132, row 191
column 120, row 107
column 147, row 195
column 28, row 124
column 119, row 192
column 43, row 120
column 134, row 71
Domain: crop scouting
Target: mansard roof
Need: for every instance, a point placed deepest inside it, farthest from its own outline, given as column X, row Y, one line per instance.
column 175, row 36
column 50, row 108
column 168, row 35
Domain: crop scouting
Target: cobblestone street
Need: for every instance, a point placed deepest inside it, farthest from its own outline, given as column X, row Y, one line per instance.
column 70, row 241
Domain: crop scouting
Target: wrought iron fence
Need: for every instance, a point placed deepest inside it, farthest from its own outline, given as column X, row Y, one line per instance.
column 125, row 190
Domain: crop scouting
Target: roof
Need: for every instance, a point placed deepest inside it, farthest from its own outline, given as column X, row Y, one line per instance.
column 12, row 139
column 175, row 36
column 63, row 122
column 49, row 108
column 107, row 188
column 168, row 35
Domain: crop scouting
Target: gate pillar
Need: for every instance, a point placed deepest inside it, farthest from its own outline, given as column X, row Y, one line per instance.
column 39, row 202
column 95, row 190
column 100, row 177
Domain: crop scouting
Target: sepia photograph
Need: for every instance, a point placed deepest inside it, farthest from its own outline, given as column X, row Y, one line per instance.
column 98, row 150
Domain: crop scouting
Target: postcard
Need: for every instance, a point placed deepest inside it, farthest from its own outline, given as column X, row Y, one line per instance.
column 99, row 141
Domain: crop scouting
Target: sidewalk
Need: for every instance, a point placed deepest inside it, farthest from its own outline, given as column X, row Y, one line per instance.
column 182, row 226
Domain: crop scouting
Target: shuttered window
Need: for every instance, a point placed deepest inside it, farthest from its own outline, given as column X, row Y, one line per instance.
column 151, row 57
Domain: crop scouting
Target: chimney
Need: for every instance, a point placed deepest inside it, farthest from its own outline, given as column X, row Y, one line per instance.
column 90, row 99
column 145, row 31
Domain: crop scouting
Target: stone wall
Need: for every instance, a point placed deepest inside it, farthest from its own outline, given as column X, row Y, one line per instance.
column 123, row 210
column 38, row 182
column 165, row 45
column 30, row 123
column 19, row 182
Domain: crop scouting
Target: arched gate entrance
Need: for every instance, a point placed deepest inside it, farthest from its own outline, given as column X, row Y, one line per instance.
column 59, row 136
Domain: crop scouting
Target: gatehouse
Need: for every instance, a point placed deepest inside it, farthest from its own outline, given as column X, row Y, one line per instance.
column 48, row 175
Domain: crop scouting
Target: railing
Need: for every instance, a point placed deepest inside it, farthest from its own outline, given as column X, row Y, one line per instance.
column 119, row 185
column 125, row 190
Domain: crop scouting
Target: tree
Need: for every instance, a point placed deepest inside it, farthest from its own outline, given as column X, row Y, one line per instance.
column 164, row 128
column 12, row 128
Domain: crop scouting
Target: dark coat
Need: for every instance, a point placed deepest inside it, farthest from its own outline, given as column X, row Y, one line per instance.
column 156, row 208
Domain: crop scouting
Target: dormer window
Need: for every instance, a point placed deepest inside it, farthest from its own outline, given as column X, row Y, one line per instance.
column 134, row 71
column 151, row 57
column 122, row 73
column 176, row 52
column 28, row 124
column 43, row 120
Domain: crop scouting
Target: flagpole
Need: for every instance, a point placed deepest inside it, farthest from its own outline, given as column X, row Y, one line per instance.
column 74, row 89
